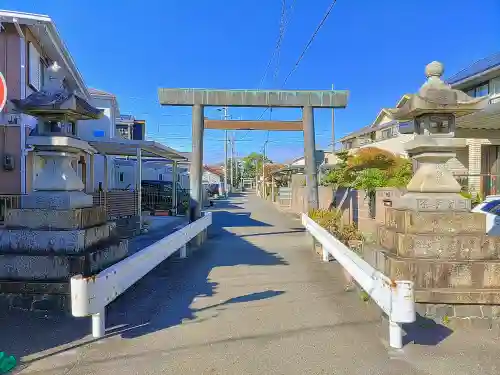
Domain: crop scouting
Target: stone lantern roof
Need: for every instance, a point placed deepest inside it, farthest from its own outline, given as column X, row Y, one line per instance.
column 435, row 96
column 55, row 102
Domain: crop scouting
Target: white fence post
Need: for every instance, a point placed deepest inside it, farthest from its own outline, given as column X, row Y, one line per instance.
column 326, row 254
column 183, row 251
column 99, row 324
column 91, row 295
column 395, row 298
column 395, row 335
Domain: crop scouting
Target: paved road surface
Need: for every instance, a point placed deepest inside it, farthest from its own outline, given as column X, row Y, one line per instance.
column 254, row 300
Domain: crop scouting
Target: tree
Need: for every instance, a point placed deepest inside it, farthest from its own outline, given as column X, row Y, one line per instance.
column 371, row 157
column 253, row 163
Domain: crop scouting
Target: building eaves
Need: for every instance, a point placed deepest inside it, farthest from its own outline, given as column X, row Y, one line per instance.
column 32, row 19
column 484, row 65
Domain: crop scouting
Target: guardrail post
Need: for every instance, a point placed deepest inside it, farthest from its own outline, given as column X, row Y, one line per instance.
column 395, row 335
column 326, row 255
column 183, row 253
column 99, row 324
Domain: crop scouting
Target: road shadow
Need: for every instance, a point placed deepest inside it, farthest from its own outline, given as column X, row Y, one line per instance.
column 272, row 233
column 24, row 333
column 164, row 297
column 425, row 331
column 160, row 300
column 237, row 219
column 224, row 205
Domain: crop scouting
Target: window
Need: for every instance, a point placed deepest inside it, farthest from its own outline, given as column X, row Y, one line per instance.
column 386, row 133
column 481, row 90
column 348, row 145
column 121, row 176
column 495, row 86
column 35, row 71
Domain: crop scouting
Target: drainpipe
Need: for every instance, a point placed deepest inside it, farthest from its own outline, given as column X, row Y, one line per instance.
column 22, row 129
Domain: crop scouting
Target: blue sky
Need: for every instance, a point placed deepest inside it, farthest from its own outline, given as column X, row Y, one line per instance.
column 375, row 49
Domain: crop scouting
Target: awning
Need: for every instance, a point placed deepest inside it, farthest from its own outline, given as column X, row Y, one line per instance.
column 125, row 147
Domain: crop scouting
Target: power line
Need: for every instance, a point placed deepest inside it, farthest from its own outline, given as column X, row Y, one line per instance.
column 318, row 28
column 284, row 21
column 325, row 17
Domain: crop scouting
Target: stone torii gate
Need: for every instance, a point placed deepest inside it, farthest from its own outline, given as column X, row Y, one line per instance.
column 200, row 98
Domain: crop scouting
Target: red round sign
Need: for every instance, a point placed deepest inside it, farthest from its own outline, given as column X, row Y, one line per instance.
column 3, row 92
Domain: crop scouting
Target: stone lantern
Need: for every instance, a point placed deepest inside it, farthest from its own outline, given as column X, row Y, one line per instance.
column 433, row 111
column 58, row 233
column 430, row 236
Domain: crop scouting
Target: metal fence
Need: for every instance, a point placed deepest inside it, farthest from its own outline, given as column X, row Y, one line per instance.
column 8, row 201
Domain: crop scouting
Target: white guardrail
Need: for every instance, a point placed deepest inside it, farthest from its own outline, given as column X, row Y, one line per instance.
column 91, row 295
column 395, row 298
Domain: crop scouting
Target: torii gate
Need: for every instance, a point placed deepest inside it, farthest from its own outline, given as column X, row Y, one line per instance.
column 200, row 98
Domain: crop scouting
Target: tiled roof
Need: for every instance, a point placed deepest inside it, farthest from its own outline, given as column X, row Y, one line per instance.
column 214, row 170
column 478, row 67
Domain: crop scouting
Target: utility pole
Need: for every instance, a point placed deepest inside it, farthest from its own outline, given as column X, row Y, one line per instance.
column 225, row 109
column 263, row 171
column 333, row 127
column 232, row 159
column 256, row 177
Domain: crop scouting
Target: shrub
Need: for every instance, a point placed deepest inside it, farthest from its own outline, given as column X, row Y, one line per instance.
column 332, row 222
column 371, row 157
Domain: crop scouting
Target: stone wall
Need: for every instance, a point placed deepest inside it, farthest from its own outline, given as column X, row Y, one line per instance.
column 355, row 208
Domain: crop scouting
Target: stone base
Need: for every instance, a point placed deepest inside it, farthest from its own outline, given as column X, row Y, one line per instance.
column 450, row 246
column 461, row 316
column 57, row 200
column 40, row 267
column 424, row 222
column 59, row 241
column 35, row 296
column 432, row 202
column 49, row 219
column 466, row 281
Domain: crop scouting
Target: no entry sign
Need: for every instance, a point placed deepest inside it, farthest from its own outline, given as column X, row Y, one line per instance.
column 3, row 92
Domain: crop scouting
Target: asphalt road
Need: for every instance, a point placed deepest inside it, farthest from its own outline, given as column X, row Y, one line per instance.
column 255, row 300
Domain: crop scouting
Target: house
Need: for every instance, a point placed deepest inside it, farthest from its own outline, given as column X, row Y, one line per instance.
column 30, row 43
column 322, row 157
column 212, row 176
column 128, row 127
column 475, row 165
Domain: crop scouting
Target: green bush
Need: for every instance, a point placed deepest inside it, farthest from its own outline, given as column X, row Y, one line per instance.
column 332, row 222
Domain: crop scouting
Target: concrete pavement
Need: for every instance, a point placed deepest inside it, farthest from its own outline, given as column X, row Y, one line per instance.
column 255, row 300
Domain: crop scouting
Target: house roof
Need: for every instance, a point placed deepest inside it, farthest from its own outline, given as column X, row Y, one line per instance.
column 43, row 24
column 479, row 67
column 214, row 170
column 122, row 147
column 376, row 124
column 97, row 92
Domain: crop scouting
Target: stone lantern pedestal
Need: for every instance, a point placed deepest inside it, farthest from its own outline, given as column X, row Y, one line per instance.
column 430, row 235
column 58, row 232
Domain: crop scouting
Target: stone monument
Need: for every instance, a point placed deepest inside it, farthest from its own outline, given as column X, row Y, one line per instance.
column 57, row 233
column 430, row 235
